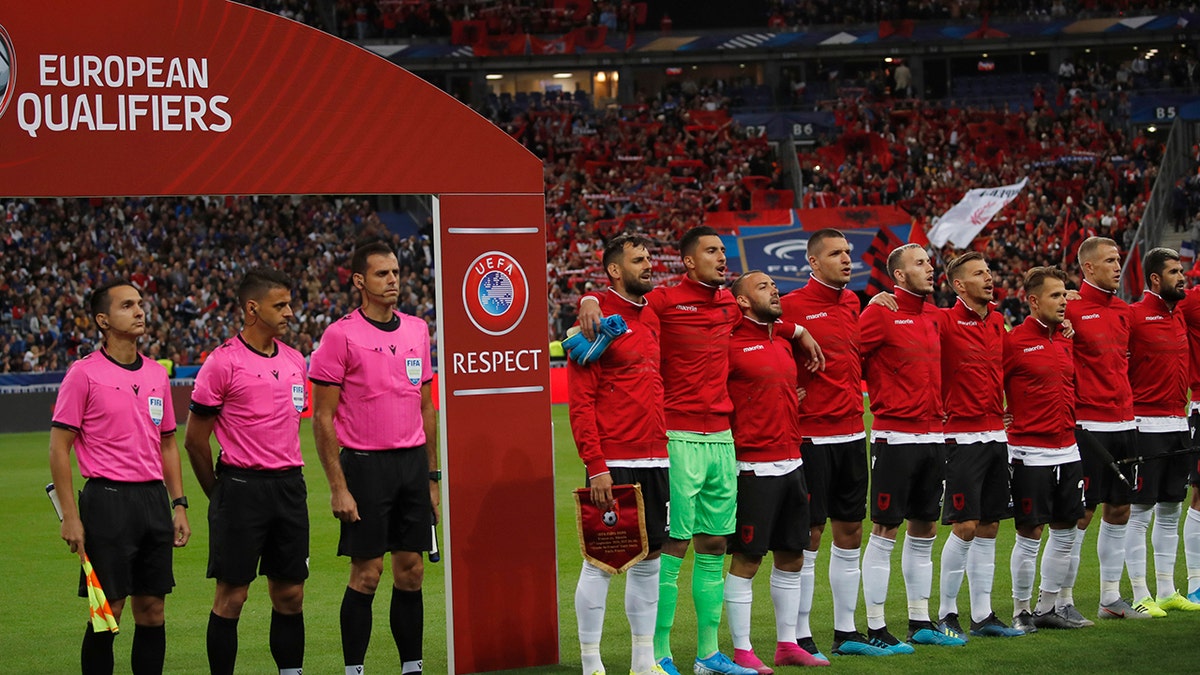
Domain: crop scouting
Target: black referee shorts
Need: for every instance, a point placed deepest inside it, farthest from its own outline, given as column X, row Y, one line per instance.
column 837, row 480
column 977, row 483
column 391, row 488
column 258, row 520
column 128, row 536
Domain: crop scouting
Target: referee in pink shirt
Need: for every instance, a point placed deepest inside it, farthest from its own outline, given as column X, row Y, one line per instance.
column 374, row 424
column 250, row 394
column 114, row 408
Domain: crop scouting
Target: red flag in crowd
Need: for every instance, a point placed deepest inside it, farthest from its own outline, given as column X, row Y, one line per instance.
column 876, row 256
column 1073, row 235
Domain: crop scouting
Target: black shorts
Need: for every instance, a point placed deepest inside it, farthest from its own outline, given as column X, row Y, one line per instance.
column 128, row 536
column 772, row 514
column 976, row 483
column 1160, row 480
column 1194, row 458
column 1101, row 485
column 391, row 488
column 258, row 516
column 1047, row 494
column 837, row 480
column 906, row 482
column 656, row 498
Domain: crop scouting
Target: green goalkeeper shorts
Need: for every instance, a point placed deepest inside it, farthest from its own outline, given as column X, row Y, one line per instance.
column 703, row 484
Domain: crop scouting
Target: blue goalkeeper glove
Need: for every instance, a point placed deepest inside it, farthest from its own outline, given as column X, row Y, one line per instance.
column 583, row 352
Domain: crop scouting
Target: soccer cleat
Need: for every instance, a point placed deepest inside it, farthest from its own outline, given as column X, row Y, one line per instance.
column 792, row 654
column 1177, row 601
column 1149, row 606
column 1024, row 622
column 924, row 633
column 719, row 664
column 994, row 627
column 746, row 658
column 857, row 644
column 1194, row 596
column 949, row 626
column 1052, row 619
column 667, row 665
column 1120, row 609
column 883, row 637
column 1070, row 613
column 655, row 670
column 810, row 646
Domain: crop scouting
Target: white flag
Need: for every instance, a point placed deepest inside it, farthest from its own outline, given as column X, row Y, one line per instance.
column 969, row 216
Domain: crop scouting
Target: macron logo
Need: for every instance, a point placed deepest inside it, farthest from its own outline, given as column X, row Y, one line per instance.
column 755, row 348
column 1156, row 317
column 901, row 322
column 1085, row 317
column 1033, row 348
column 967, row 323
column 818, row 315
column 685, row 308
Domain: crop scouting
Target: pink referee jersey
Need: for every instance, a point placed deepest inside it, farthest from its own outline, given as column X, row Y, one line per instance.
column 119, row 413
column 257, row 400
column 380, row 373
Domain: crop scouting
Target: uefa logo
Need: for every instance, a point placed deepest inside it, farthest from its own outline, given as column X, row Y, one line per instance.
column 8, row 70
column 495, row 293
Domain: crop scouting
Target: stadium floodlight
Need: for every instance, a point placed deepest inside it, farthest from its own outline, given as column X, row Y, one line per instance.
column 562, row 76
column 493, row 76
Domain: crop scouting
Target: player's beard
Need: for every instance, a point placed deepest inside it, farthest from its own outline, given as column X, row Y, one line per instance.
column 634, row 285
column 1173, row 294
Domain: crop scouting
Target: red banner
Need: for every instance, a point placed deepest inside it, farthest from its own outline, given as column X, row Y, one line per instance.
column 612, row 539
column 467, row 32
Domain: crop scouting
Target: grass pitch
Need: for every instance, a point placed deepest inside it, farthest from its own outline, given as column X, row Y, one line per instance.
column 42, row 620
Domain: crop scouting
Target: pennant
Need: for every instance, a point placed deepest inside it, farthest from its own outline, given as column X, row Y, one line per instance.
column 99, row 609
column 615, row 539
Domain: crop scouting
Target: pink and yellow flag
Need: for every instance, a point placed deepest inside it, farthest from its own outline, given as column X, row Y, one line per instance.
column 101, row 612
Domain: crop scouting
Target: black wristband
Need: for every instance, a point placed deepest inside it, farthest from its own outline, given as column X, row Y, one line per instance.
column 182, row 501
column 435, row 476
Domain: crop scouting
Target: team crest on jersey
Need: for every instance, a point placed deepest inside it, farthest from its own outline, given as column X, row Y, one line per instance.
column 412, row 367
column 156, row 409
column 298, row 397
column 495, row 292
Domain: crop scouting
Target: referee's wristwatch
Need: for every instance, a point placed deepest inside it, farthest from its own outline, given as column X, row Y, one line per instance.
column 181, row 501
column 436, row 476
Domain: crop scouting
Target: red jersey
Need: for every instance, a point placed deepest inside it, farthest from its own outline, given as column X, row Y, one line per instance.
column 1101, row 323
column 1039, row 381
column 1190, row 308
column 762, row 386
column 972, row 369
column 834, row 402
column 902, row 359
column 696, row 321
column 616, row 403
column 1158, row 358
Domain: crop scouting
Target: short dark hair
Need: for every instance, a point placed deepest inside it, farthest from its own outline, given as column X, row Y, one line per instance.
column 691, row 238
column 1091, row 245
column 893, row 263
column 818, row 238
column 738, row 283
column 99, row 302
column 1155, row 261
column 954, row 268
column 258, row 281
column 366, row 249
column 1036, row 277
column 615, row 248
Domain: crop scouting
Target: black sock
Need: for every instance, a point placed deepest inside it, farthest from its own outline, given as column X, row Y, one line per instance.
column 222, row 644
column 356, row 626
column 149, row 650
column 287, row 640
column 408, row 624
column 96, row 655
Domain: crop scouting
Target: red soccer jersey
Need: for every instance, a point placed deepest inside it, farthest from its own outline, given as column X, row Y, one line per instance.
column 902, row 359
column 762, row 386
column 617, row 403
column 834, row 402
column 1158, row 358
column 972, row 369
column 1190, row 308
column 1101, row 322
column 1039, row 381
column 696, row 321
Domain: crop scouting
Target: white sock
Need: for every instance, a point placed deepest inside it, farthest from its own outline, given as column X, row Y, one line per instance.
column 1135, row 549
column 844, row 577
column 981, row 572
column 1165, row 539
column 786, row 593
column 739, row 595
column 1067, row 595
column 808, row 575
column 877, row 568
column 916, row 564
column 641, row 607
column 1191, row 548
column 1055, row 560
column 1110, row 548
column 1022, row 565
column 954, row 566
column 590, row 595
